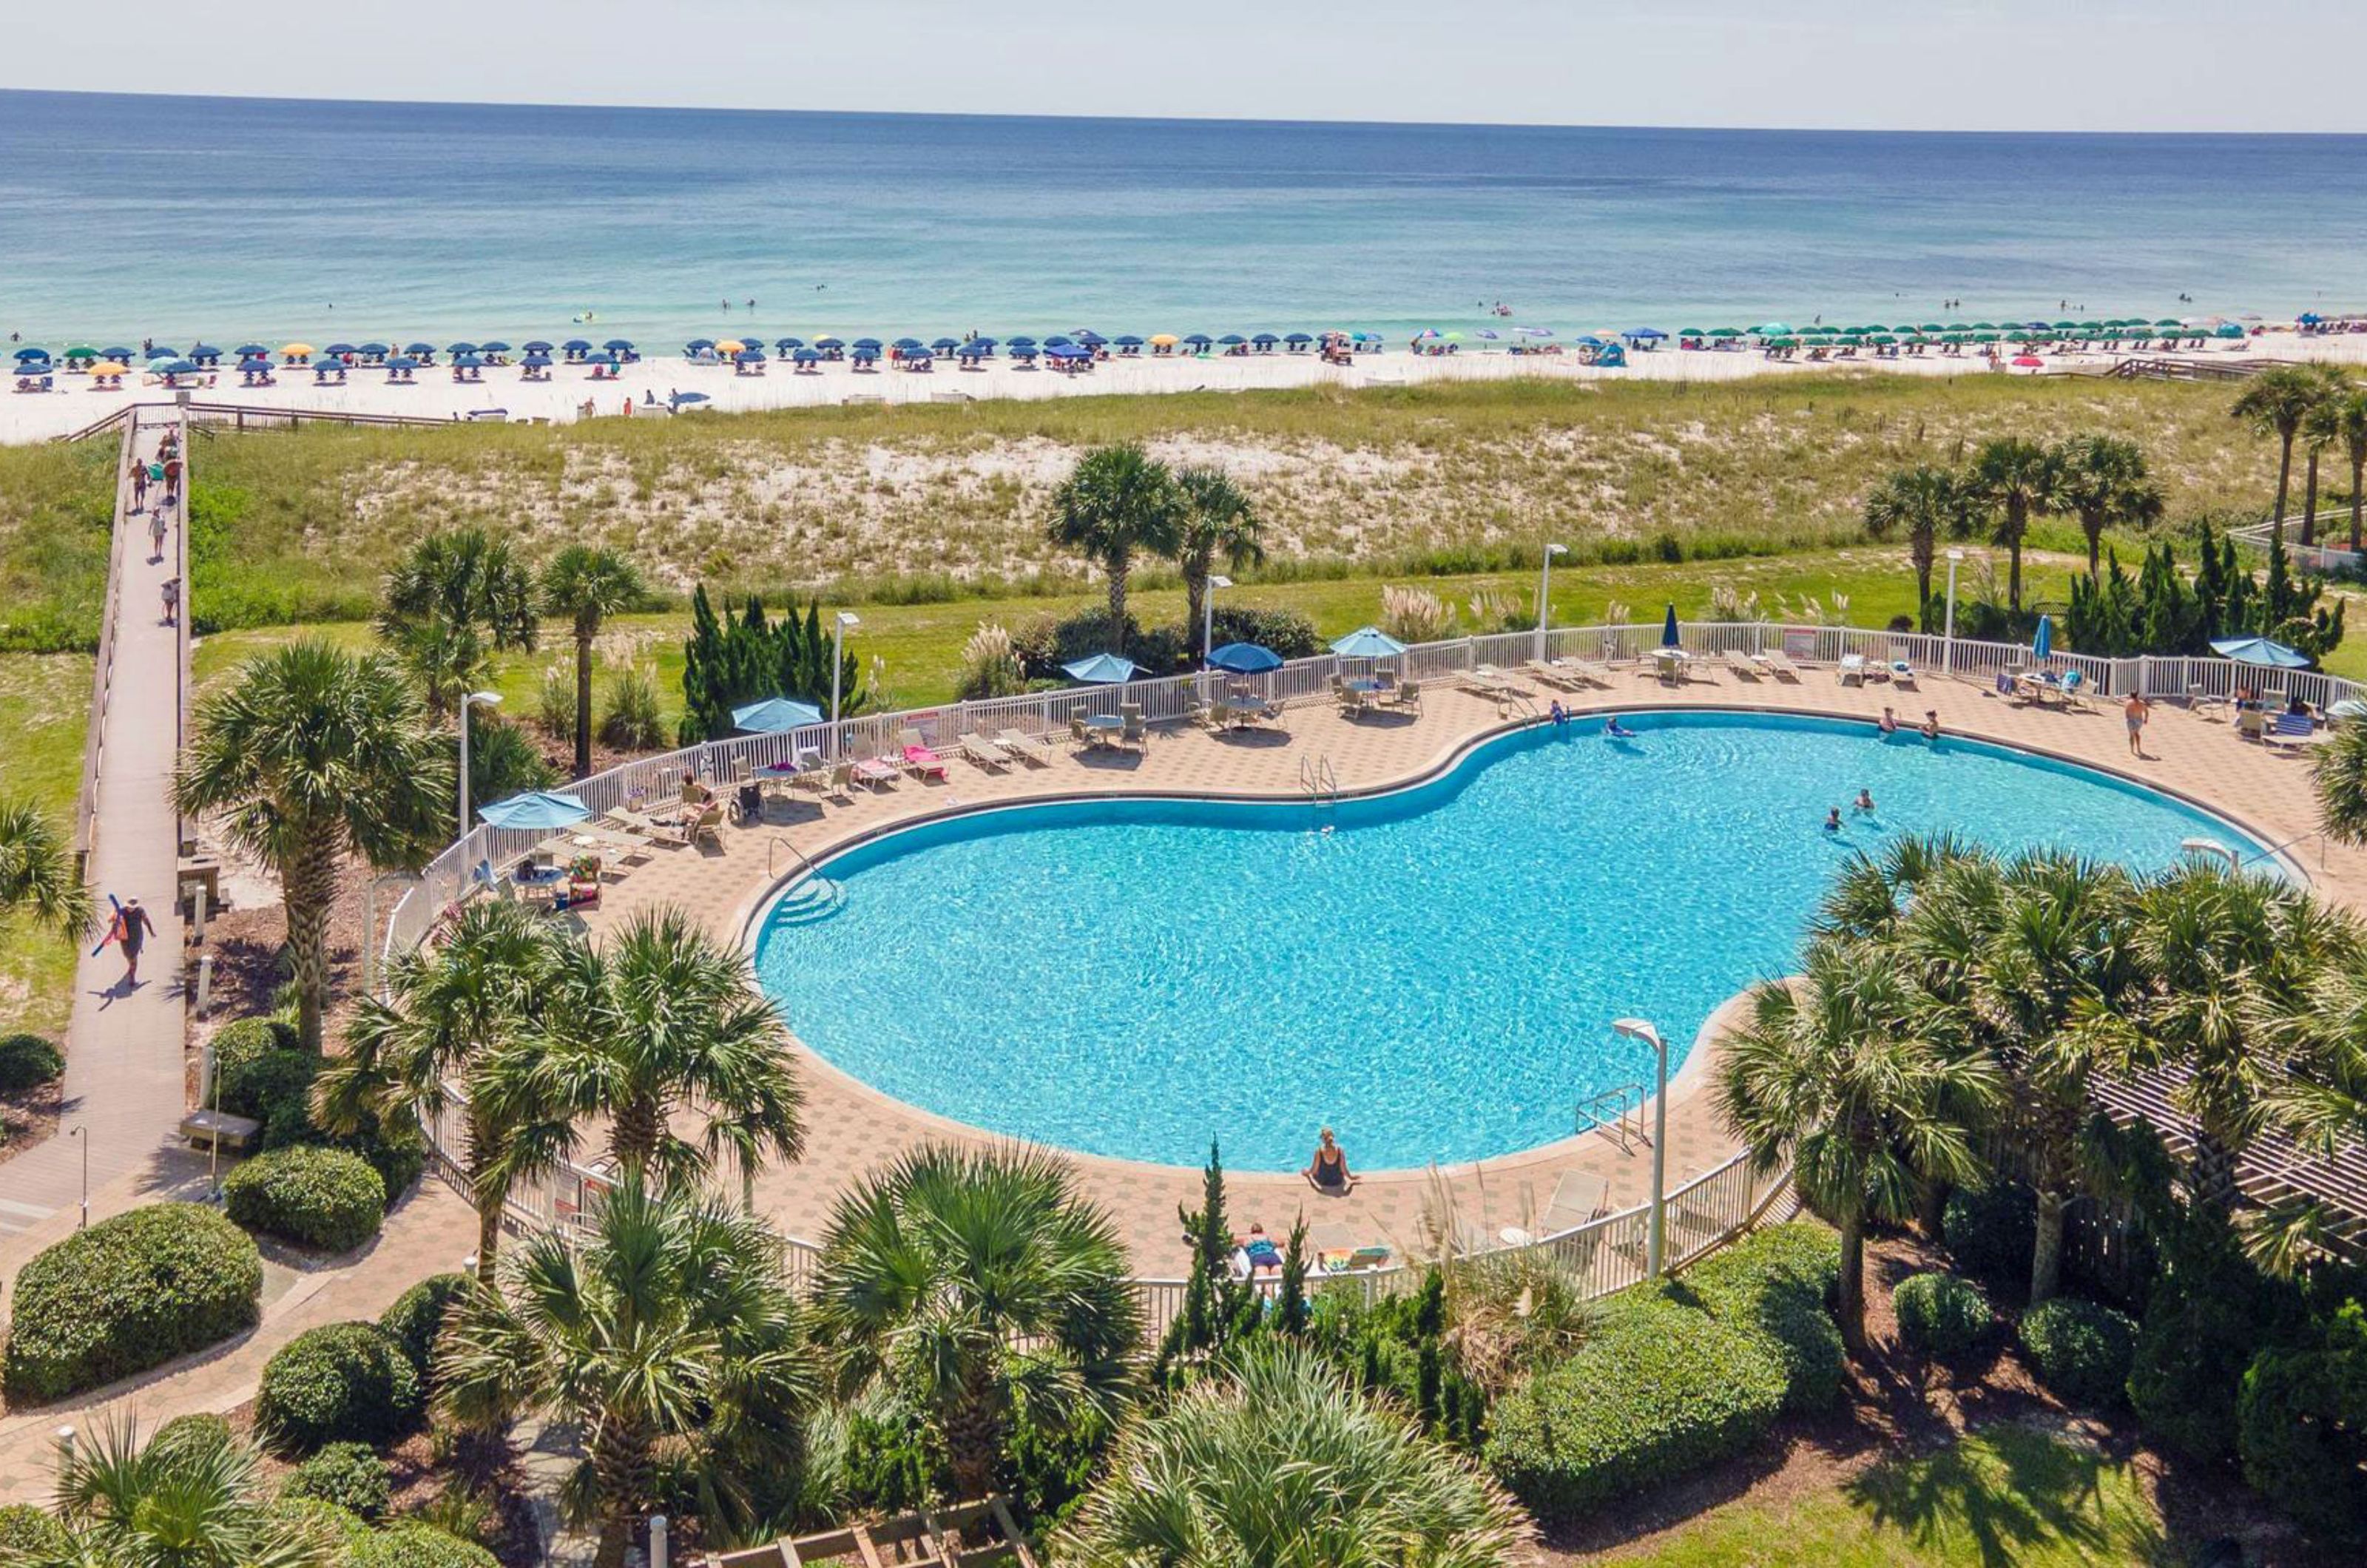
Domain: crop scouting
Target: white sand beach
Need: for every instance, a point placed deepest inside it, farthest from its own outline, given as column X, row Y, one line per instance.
column 571, row 393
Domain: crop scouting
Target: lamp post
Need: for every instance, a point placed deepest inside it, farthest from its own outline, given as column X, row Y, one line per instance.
column 474, row 699
column 82, row 1132
column 838, row 627
column 1655, row 1256
column 1948, row 648
column 1208, row 624
column 1545, row 594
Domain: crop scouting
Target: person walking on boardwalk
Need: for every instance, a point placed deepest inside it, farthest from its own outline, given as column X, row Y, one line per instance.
column 139, row 487
column 157, row 536
column 173, row 481
column 172, row 601
column 130, row 929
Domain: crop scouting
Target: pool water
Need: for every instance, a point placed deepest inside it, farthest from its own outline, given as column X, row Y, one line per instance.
column 1433, row 973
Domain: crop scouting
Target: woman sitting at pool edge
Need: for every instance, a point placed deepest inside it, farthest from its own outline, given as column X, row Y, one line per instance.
column 1328, row 1172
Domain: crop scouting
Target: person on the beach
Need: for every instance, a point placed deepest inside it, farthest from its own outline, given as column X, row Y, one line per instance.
column 157, row 536
column 2136, row 711
column 130, row 929
column 1328, row 1172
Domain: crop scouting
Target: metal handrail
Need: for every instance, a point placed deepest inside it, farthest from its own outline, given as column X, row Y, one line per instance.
column 803, row 859
column 1625, row 1121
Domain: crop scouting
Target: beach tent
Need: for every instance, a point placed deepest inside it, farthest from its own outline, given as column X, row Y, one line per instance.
column 773, row 716
column 1244, row 659
column 1101, row 670
column 2260, row 650
column 536, row 811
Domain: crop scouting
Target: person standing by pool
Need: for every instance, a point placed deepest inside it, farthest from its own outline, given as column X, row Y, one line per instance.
column 1328, row 1172
column 2136, row 711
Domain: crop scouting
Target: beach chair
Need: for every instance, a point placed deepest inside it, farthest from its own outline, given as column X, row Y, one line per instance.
column 829, row 780
column 1741, row 667
column 873, row 773
column 2290, row 728
column 921, row 762
column 1083, row 733
column 1592, row 671
column 1902, row 675
column 1546, row 674
column 981, row 752
column 1134, row 734
column 1028, row 747
column 704, row 825
column 1406, row 696
column 1782, row 667
column 2069, row 688
column 2251, row 724
column 1580, row 1196
column 1853, row 670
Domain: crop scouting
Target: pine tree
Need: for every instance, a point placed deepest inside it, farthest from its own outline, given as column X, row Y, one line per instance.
column 1291, row 1311
column 704, row 716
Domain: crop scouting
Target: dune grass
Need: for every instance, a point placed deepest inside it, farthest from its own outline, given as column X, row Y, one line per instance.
column 44, row 710
column 56, row 505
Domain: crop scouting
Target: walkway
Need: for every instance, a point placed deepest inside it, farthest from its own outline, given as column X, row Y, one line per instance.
column 125, row 1078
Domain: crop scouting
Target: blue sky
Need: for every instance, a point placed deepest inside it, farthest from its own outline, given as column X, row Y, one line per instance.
column 1896, row 64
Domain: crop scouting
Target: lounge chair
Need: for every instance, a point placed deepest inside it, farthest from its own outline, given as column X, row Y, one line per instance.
column 2069, row 688
column 2251, row 724
column 1853, row 670
column 1781, row 665
column 1742, row 666
column 1902, row 675
column 982, row 753
column 1546, row 675
column 1029, row 747
column 2296, row 728
column 921, row 762
column 1580, row 1196
column 704, row 825
column 825, row 780
column 873, row 773
column 1592, row 669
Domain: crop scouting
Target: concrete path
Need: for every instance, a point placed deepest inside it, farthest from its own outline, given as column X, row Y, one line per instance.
column 124, row 1081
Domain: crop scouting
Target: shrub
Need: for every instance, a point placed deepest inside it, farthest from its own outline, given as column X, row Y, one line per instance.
column 554, row 701
column 417, row 1546
column 1939, row 1315
column 347, row 1474
column 1778, row 1281
column 1285, row 632
column 1991, row 1231
column 244, row 1040
column 630, row 721
column 28, row 1534
column 340, row 1383
column 28, row 1061
column 2210, row 1312
column 417, row 1316
column 2301, row 1430
column 336, row 1529
column 261, row 1086
column 1662, row 1389
column 990, row 665
column 2080, row 1350
column 315, row 1197
column 199, row 1432
column 127, row 1294
column 1044, row 644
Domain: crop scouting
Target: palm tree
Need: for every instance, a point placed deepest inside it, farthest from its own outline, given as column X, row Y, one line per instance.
column 667, row 1336
column 37, row 875
column 2278, row 402
column 1281, row 1462
column 1217, row 522
column 453, row 601
column 937, row 1269
column 2338, row 770
column 2015, row 477
column 2343, row 418
column 466, row 1010
column 196, row 1505
column 2104, row 482
column 1114, row 502
column 1870, row 897
column 1924, row 502
column 314, row 754
column 659, row 1016
column 584, row 586
column 1847, row 1073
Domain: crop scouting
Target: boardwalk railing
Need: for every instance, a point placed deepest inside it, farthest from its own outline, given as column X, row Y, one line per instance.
column 244, row 416
column 102, row 675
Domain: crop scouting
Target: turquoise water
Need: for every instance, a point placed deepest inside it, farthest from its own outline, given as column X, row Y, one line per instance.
column 176, row 218
column 1434, row 977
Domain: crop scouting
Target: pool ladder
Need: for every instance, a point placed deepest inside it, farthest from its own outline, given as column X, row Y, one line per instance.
column 1317, row 781
column 1618, row 1113
column 815, row 898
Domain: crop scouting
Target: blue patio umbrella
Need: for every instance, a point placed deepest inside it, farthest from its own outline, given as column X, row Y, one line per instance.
column 775, row 715
column 1368, row 642
column 1245, row 659
column 1669, row 629
column 1643, row 335
column 1101, row 670
column 538, row 810
column 2043, row 645
column 2260, row 650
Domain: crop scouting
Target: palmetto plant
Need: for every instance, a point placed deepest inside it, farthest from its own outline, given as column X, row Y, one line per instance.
column 1218, row 522
column 1280, row 1462
column 980, row 1283
column 2338, row 770
column 198, row 1504
column 583, row 586
column 1117, row 501
column 36, row 872
column 311, row 753
column 465, row 1010
column 451, row 603
column 1924, row 504
column 2105, row 484
column 1851, row 1074
column 667, row 1336
column 2016, row 478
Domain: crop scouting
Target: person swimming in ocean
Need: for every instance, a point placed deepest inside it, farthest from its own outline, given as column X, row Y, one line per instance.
column 1614, row 731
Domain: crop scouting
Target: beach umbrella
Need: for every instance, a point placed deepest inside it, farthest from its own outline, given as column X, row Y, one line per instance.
column 773, row 716
column 333, row 348
column 829, row 343
column 537, row 811
column 1669, row 629
column 1588, row 341
column 1535, row 331
column 255, row 362
column 402, row 362
column 1234, row 340
column 202, row 351
column 534, row 345
column 945, row 345
column 125, row 357
column 176, row 368
column 751, row 356
column 1059, row 340
column 1198, row 340
column 534, row 361
column 1128, row 340
column 907, row 345
column 2169, row 321
column 1691, row 332
column 870, row 342
column 302, row 349
column 865, row 356
column 789, row 344
column 1932, row 327
column 1643, row 335
column 108, row 368
column 1725, row 332
column 1772, row 329
column 2028, row 361
column 1022, row 351
column 1244, row 659
column 2043, row 645
column 1091, row 339
column 986, row 344
column 619, row 345
column 1101, row 670
column 2349, row 710
column 467, row 362
column 1368, row 642
column 1162, row 340
column 1297, row 339
column 600, row 358
column 496, row 346
column 382, row 350
column 1030, row 343
column 419, row 350
column 26, row 356
column 2260, row 650
column 2227, row 329
column 245, row 349
column 577, row 345
column 460, row 348
column 730, row 345
column 697, row 343
column 807, row 356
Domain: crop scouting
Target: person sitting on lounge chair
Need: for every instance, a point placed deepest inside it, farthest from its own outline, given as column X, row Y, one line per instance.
column 1328, row 1172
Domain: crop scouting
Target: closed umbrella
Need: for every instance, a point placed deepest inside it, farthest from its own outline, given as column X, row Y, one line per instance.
column 1368, row 642
column 1245, row 659
column 2043, row 645
column 2260, row 650
column 775, row 715
column 1669, row 629
column 1101, row 670
column 540, row 810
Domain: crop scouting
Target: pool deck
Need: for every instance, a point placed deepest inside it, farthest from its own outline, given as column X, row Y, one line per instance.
column 852, row 1128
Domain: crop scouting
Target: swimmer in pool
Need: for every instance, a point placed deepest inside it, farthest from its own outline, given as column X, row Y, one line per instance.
column 1865, row 802
column 1833, row 821
column 1614, row 731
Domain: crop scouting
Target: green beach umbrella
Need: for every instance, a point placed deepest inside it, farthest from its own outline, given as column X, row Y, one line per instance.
column 1772, row 329
column 1884, row 339
column 2169, row 321
column 1852, row 340
column 1691, row 332
column 1728, row 331
column 1932, row 327
column 1985, row 326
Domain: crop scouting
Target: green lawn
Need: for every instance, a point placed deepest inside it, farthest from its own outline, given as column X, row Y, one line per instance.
column 2008, row 1497
column 44, row 711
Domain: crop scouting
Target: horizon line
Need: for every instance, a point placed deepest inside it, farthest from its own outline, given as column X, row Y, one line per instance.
column 731, row 109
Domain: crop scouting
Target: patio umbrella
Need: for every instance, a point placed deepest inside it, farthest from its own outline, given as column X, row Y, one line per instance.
column 2260, row 650
column 1245, row 659
column 1101, row 670
column 537, row 810
column 2043, row 645
column 775, row 715
column 1368, row 642
column 1669, row 629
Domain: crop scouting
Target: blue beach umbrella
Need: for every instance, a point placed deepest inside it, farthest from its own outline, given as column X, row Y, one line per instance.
column 1091, row 339
column 246, row 351
column 1232, row 340
column 863, row 355
column 807, row 356
column 1197, row 340
column 1023, row 342
column 399, row 362
column 159, row 351
column 1368, row 642
column 202, row 350
column 208, row 351
column 905, row 344
column 775, row 715
column 419, row 350
column 577, row 345
column 1059, row 340
column 870, row 342
column 1245, row 659
column 534, row 345
column 1295, row 339
column 683, row 400
column 829, row 343
column 2260, row 650
column 1128, row 340
column 1022, row 351
column 1643, row 335
column 1669, row 629
column 1101, row 670
column 984, row 345
column 125, row 357
column 536, row 361
column 467, row 362
column 496, row 346
column 538, row 810
column 2043, row 645
column 460, row 348
column 619, row 345
column 28, row 356
column 599, row 359
column 789, row 344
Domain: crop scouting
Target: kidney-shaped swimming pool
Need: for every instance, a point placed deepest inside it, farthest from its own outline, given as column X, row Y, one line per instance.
column 1432, row 972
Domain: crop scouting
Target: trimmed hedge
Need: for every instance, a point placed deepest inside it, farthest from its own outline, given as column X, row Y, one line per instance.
column 28, row 1061
column 2301, row 1430
column 417, row 1546
column 1778, row 1280
column 315, row 1197
column 347, row 1474
column 417, row 1317
column 2080, row 1350
column 340, row 1383
column 1992, row 1230
column 199, row 1432
column 1939, row 1315
column 1662, row 1389
column 127, row 1294
column 28, row 1533
column 244, row 1040
column 335, row 1529
column 261, row 1085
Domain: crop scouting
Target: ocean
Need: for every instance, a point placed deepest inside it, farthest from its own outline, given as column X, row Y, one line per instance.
column 124, row 218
